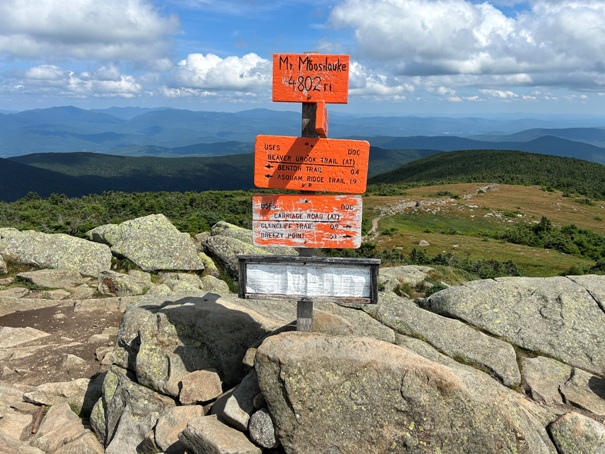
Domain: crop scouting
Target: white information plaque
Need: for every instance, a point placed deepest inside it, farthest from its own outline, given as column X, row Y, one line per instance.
column 308, row 277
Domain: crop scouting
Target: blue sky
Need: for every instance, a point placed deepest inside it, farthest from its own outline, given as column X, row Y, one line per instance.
column 424, row 57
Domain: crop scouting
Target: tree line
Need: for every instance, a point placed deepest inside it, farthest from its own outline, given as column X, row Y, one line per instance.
column 569, row 175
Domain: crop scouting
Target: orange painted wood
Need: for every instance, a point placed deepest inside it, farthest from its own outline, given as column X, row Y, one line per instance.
column 307, row 221
column 321, row 119
column 311, row 78
column 311, row 164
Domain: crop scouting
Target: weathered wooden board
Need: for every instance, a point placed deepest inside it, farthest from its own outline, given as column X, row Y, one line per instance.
column 311, row 78
column 311, row 164
column 321, row 119
column 307, row 221
column 346, row 279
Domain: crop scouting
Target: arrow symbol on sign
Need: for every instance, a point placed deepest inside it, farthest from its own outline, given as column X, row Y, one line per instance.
column 347, row 226
column 347, row 236
column 267, row 176
column 268, row 166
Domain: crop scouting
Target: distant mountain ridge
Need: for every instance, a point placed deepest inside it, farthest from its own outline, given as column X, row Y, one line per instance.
column 547, row 144
column 177, row 132
column 75, row 151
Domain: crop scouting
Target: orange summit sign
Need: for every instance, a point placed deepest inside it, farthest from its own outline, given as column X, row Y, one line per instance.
column 311, row 78
column 311, row 164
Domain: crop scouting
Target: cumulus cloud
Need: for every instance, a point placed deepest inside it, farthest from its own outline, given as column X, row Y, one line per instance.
column 460, row 37
column 52, row 80
column 365, row 82
column 108, row 29
column 500, row 94
column 213, row 73
column 445, row 50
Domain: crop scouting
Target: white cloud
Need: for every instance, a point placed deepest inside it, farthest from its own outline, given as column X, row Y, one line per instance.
column 500, row 94
column 45, row 73
column 543, row 41
column 211, row 72
column 51, row 80
column 365, row 82
column 108, row 29
column 185, row 93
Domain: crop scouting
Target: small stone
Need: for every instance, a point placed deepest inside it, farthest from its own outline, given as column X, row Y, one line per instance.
column 585, row 391
column 574, row 433
column 248, row 359
column 56, row 295
column 262, row 429
column 83, row 292
column 73, row 362
column 200, row 386
column 239, row 406
column 103, row 354
column 15, row 292
column 208, row 434
column 52, row 279
column 171, row 423
column 11, row 337
column 6, row 371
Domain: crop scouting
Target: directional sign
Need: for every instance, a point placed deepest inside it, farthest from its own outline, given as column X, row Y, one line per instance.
column 303, row 164
column 307, row 221
column 311, row 78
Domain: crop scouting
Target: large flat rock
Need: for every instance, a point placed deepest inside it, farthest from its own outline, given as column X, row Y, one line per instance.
column 350, row 395
column 557, row 316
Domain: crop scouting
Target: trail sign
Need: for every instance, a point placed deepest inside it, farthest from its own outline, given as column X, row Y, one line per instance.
column 286, row 277
column 311, row 164
column 306, row 221
column 311, row 78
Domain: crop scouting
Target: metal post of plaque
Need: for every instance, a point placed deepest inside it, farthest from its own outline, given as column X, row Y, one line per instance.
column 304, row 306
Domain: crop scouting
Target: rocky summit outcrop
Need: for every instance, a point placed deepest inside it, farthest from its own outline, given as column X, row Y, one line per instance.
column 371, row 396
column 562, row 317
column 227, row 241
column 62, row 251
column 155, row 360
column 151, row 242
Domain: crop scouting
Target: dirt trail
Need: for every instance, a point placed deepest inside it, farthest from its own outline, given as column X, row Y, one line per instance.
column 406, row 205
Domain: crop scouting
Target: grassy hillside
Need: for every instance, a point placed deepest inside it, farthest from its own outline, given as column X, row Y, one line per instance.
column 16, row 180
column 76, row 174
column 480, row 221
column 508, row 167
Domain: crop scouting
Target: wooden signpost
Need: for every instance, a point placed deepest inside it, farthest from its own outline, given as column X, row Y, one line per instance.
column 307, row 164
column 321, row 119
column 308, row 221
